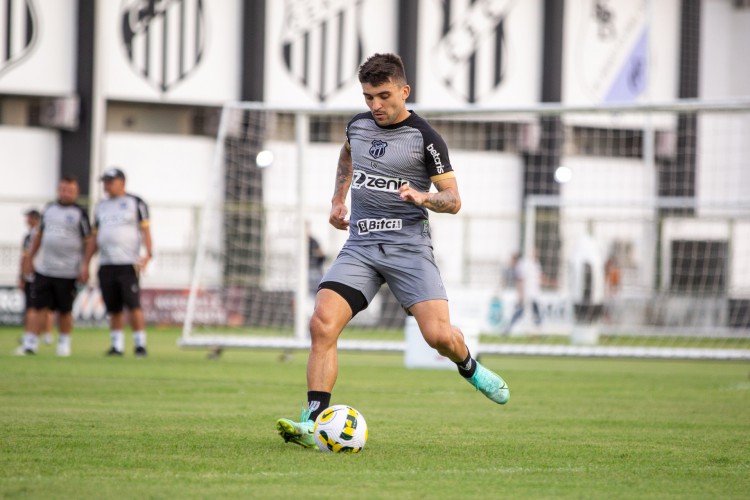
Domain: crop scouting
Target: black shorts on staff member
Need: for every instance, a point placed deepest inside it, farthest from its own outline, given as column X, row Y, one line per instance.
column 55, row 294
column 120, row 287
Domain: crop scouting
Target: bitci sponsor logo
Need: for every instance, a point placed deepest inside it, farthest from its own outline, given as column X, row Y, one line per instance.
column 366, row 226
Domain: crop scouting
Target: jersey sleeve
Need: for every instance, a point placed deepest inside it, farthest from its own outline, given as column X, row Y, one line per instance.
column 436, row 159
column 142, row 209
column 85, row 225
column 43, row 217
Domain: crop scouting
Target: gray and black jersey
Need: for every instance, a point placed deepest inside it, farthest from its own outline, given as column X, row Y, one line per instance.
column 383, row 159
column 118, row 223
column 64, row 229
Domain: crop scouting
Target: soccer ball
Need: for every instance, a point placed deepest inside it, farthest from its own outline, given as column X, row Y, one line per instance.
column 340, row 429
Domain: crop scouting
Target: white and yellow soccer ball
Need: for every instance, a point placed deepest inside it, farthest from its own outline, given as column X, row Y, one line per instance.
column 340, row 429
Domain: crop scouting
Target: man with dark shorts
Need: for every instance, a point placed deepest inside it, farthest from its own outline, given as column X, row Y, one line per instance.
column 121, row 226
column 389, row 160
column 60, row 241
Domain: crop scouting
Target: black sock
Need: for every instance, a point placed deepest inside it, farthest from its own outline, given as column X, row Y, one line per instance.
column 317, row 401
column 467, row 367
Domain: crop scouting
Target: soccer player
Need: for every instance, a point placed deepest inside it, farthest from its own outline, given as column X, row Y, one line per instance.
column 121, row 226
column 390, row 158
column 62, row 237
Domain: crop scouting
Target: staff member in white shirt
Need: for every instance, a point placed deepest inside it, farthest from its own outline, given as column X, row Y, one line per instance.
column 121, row 227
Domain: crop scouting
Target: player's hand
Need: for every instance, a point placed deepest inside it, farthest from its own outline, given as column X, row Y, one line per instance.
column 411, row 195
column 337, row 218
column 83, row 276
column 145, row 259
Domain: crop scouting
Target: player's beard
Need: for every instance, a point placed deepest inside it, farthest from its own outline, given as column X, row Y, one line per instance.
column 384, row 118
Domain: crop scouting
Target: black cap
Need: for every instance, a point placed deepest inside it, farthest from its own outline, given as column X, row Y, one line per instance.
column 112, row 173
column 32, row 212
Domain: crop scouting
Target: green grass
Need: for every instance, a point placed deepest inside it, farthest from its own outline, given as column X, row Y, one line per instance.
column 177, row 425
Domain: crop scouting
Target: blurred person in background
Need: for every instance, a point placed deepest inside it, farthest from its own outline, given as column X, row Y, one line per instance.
column 61, row 240
column 25, row 281
column 121, row 227
column 528, row 278
column 316, row 259
column 33, row 217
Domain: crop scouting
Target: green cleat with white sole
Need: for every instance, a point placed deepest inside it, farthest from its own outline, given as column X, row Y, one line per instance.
column 300, row 433
column 490, row 384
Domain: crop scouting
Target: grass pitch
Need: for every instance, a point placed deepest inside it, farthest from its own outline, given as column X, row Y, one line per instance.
column 177, row 425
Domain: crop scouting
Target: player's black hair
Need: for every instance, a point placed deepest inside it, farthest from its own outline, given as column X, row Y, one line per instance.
column 69, row 178
column 379, row 68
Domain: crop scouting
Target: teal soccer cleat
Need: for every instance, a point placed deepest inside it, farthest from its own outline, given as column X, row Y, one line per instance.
column 300, row 433
column 490, row 384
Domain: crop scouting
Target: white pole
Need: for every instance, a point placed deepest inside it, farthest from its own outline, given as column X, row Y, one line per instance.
column 212, row 197
column 302, row 134
column 529, row 246
column 98, row 112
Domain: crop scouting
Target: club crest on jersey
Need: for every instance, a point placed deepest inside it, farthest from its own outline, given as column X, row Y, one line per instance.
column 366, row 226
column 164, row 40
column 322, row 44
column 18, row 32
column 378, row 148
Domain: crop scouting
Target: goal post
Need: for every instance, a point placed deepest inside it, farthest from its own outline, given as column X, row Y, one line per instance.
column 638, row 215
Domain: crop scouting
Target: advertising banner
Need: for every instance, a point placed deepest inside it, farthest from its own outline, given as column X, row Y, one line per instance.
column 479, row 51
column 615, row 51
column 182, row 51
column 37, row 47
column 314, row 48
column 11, row 306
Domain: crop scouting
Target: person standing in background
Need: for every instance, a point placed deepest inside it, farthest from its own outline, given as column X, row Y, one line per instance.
column 121, row 227
column 62, row 236
column 25, row 280
column 316, row 259
column 529, row 278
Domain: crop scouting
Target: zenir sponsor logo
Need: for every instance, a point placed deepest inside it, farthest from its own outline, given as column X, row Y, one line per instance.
column 366, row 226
column 377, row 182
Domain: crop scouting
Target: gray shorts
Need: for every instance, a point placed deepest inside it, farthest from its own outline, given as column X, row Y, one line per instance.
column 409, row 270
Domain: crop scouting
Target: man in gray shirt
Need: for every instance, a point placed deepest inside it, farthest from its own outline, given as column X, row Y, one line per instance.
column 121, row 226
column 390, row 159
column 60, row 242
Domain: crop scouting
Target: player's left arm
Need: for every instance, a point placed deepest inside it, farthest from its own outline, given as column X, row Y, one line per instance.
column 147, row 244
column 446, row 200
column 144, row 222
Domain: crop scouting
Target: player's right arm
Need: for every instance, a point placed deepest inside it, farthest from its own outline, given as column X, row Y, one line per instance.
column 91, row 248
column 337, row 217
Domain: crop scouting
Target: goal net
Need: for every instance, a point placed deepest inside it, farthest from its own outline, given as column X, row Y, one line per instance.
column 608, row 231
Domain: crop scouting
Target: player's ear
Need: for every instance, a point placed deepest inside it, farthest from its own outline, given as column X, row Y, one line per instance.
column 405, row 91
